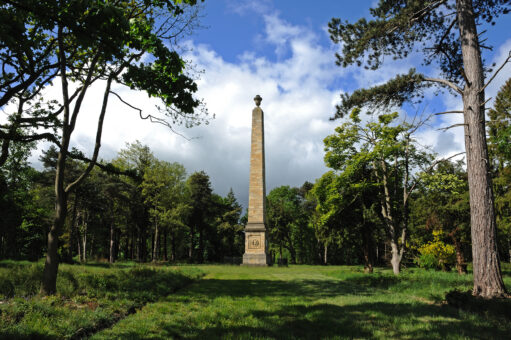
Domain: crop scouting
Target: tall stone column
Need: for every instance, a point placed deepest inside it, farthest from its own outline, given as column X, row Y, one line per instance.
column 256, row 240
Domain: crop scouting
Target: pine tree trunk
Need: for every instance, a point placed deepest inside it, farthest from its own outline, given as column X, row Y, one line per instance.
column 487, row 274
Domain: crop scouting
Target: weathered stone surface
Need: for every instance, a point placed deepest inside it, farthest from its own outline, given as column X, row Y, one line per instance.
column 256, row 242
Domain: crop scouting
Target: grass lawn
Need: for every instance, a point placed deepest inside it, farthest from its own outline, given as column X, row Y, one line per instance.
column 90, row 297
column 312, row 302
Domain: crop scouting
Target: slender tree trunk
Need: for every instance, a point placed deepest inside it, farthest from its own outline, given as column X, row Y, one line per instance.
column 368, row 258
column 192, row 244
column 49, row 284
column 165, row 257
column 173, row 241
column 395, row 260
column 325, row 254
column 117, row 244
column 91, row 246
column 201, row 245
column 460, row 260
column 78, row 239
column 51, row 265
column 389, row 221
column 72, row 231
column 292, row 252
column 156, row 237
column 487, row 273
column 111, row 257
column 84, row 238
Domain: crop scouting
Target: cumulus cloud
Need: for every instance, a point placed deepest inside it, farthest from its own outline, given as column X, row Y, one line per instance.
column 299, row 90
column 297, row 103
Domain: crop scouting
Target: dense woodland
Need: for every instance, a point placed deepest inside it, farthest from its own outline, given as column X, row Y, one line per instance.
column 386, row 200
column 158, row 212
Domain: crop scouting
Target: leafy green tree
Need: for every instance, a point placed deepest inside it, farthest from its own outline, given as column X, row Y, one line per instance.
column 105, row 41
column 284, row 213
column 446, row 33
column 17, row 184
column 391, row 153
column 442, row 207
column 499, row 139
column 229, row 227
column 137, row 158
column 499, row 128
column 163, row 189
column 201, row 204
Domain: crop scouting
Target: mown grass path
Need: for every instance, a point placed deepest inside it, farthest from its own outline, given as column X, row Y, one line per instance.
column 311, row 302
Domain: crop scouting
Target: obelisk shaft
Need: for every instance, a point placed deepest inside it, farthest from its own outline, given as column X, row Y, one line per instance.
column 256, row 240
column 257, row 187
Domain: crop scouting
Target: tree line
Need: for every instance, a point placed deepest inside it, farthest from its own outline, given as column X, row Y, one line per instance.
column 388, row 200
column 157, row 213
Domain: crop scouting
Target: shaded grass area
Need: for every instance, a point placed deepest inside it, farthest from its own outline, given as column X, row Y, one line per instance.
column 311, row 302
column 90, row 297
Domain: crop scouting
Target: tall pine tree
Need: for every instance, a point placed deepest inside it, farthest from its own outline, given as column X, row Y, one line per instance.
column 446, row 33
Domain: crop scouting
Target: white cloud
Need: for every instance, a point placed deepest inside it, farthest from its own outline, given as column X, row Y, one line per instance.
column 296, row 100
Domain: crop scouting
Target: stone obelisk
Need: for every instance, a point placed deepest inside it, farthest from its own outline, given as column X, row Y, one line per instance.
column 256, row 240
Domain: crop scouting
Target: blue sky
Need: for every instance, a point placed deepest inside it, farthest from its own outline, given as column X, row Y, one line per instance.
column 279, row 49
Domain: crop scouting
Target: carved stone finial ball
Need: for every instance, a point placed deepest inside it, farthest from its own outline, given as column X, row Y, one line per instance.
column 258, row 100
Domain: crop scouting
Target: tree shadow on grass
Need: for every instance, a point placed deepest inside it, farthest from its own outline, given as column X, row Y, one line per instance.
column 305, row 315
column 364, row 320
column 208, row 289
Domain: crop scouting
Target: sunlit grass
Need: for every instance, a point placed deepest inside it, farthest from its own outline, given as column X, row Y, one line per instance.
column 311, row 302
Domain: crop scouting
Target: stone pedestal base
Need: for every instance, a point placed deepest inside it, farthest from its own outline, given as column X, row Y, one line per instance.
column 256, row 244
column 256, row 260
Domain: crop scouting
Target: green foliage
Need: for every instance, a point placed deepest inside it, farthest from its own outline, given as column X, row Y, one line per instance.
column 499, row 127
column 436, row 254
column 394, row 93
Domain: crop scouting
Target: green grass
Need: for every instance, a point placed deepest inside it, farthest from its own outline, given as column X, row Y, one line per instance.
column 109, row 302
column 312, row 302
column 90, row 297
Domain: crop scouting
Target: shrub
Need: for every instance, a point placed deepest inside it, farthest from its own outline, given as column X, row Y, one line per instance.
column 436, row 254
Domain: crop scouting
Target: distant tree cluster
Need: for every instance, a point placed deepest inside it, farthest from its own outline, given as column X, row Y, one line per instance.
column 157, row 213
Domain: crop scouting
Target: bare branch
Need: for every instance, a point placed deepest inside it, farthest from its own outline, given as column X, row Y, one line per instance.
column 99, row 132
column 447, row 112
column 486, row 101
column 452, row 126
column 151, row 118
column 445, row 83
column 496, row 72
